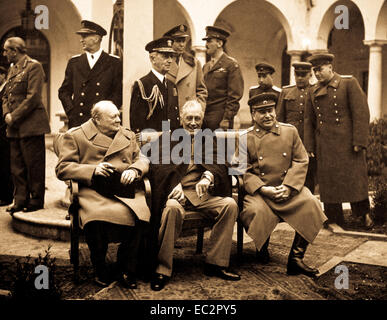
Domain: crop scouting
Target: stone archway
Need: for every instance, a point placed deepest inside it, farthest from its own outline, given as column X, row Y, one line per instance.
column 259, row 33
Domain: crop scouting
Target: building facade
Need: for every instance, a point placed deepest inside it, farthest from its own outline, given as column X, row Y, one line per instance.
column 275, row 31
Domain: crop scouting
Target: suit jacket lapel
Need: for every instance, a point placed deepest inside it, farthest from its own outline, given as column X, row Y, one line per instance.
column 99, row 66
column 92, row 133
column 172, row 73
column 83, row 66
column 183, row 70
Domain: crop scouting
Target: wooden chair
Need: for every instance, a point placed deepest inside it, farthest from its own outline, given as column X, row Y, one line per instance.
column 192, row 220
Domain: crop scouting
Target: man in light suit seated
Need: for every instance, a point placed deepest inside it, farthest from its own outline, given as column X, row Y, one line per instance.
column 274, row 179
column 106, row 161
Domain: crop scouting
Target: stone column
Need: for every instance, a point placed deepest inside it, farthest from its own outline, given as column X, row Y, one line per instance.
column 200, row 53
column 295, row 56
column 138, row 16
column 375, row 78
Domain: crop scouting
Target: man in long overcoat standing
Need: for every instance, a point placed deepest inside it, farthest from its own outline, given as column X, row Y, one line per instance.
column 224, row 81
column 92, row 154
column 336, row 132
column 27, row 123
column 277, row 163
column 154, row 97
column 186, row 71
column 90, row 77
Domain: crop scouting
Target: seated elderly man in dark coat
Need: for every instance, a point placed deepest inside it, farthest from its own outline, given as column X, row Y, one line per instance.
column 100, row 154
column 185, row 185
column 277, row 163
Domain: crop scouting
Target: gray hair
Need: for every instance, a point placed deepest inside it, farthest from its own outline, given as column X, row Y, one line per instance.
column 99, row 108
column 16, row 44
column 191, row 104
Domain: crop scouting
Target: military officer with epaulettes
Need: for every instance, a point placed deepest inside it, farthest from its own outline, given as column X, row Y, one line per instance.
column 336, row 131
column 265, row 80
column 274, row 178
column 291, row 109
column 90, row 77
column 224, row 82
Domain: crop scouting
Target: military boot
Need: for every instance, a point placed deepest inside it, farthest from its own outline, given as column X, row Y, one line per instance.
column 295, row 263
column 263, row 255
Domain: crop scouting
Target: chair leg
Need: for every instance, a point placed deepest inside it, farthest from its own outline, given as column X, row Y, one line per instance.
column 199, row 242
column 239, row 240
column 74, row 248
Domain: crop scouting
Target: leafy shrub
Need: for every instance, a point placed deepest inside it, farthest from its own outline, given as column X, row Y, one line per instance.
column 24, row 279
column 377, row 148
column 380, row 200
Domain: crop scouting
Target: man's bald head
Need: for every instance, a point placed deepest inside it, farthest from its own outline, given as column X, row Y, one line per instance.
column 106, row 117
column 17, row 44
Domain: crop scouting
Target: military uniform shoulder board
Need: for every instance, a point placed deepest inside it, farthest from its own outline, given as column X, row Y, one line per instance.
column 348, row 76
column 113, row 55
column 243, row 132
column 254, row 87
column 285, row 124
column 288, row 86
column 276, row 89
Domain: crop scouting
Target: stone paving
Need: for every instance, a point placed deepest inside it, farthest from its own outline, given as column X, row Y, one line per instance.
column 264, row 282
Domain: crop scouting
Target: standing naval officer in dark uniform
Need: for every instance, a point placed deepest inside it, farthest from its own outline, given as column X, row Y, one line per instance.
column 265, row 81
column 90, row 77
column 154, row 97
column 224, row 82
column 291, row 109
column 336, row 131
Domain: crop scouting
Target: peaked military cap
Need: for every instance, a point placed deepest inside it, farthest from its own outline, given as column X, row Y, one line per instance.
column 216, row 33
column 163, row 44
column 317, row 60
column 302, row 67
column 89, row 27
column 179, row 31
column 262, row 100
column 264, row 68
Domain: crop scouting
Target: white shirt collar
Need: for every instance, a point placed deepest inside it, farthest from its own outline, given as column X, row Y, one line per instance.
column 95, row 58
column 159, row 75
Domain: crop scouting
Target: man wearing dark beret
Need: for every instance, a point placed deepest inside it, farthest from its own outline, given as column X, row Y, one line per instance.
column 265, row 80
column 186, row 71
column 90, row 77
column 336, row 131
column 224, row 82
column 154, row 97
column 274, row 178
column 291, row 109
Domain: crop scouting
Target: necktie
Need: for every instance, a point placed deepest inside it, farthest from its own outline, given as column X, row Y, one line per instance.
column 92, row 57
column 165, row 83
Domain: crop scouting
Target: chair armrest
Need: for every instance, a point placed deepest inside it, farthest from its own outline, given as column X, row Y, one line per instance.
column 74, row 189
column 148, row 192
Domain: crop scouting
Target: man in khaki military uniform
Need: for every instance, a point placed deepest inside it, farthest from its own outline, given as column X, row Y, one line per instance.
column 291, row 109
column 277, row 163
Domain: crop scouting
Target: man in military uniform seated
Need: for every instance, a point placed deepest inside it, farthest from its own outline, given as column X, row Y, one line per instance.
column 154, row 97
column 186, row 186
column 265, row 80
column 90, row 77
column 99, row 150
column 291, row 109
column 274, row 180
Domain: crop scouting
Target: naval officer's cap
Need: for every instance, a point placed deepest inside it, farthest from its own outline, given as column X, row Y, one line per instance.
column 163, row 44
column 179, row 31
column 89, row 27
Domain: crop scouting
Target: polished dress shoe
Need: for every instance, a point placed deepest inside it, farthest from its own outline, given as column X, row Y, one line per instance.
column 212, row 270
column 297, row 266
column 102, row 281
column 15, row 208
column 31, row 208
column 5, row 202
column 158, row 282
column 128, row 280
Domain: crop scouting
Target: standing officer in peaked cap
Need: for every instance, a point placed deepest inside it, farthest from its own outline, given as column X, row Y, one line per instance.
column 276, row 167
column 186, row 71
column 291, row 109
column 224, row 82
column 265, row 80
column 90, row 77
column 336, row 131
column 154, row 97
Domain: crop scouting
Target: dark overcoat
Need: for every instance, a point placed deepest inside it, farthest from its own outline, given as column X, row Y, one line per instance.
column 225, row 85
column 23, row 100
column 140, row 115
column 337, row 118
column 291, row 107
column 82, row 87
column 80, row 150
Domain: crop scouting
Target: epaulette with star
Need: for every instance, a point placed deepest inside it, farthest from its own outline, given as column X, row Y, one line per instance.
column 288, row 86
column 347, row 76
column 276, row 89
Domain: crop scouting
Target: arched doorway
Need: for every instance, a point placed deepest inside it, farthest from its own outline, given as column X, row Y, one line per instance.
column 37, row 48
